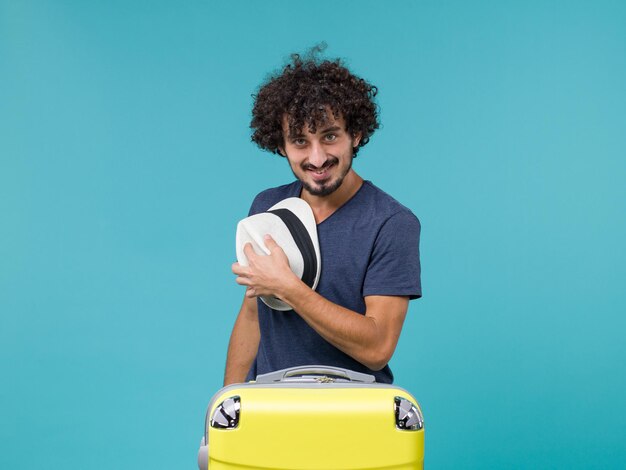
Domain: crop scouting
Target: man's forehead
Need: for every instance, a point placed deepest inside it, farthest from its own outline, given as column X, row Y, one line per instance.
column 328, row 121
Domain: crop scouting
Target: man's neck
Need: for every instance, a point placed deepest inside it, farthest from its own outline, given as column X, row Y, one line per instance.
column 324, row 206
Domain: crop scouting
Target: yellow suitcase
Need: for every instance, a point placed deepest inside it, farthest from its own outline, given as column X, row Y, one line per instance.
column 313, row 417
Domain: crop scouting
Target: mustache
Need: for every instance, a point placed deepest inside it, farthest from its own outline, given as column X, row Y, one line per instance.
column 331, row 161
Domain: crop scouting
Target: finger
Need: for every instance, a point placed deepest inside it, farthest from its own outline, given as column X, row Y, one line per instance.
column 250, row 292
column 270, row 243
column 243, row 281
column 249, row 251
column 240, row 270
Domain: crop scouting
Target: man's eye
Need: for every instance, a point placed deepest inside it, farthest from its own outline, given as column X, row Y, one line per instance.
column 299, row 142
column 330, row 137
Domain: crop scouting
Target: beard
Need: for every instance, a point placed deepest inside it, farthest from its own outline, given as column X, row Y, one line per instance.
column 327, row 187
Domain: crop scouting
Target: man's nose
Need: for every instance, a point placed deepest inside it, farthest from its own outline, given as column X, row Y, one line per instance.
column 318, row 155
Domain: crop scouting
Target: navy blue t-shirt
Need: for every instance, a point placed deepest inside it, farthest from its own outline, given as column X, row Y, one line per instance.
column 369, row 246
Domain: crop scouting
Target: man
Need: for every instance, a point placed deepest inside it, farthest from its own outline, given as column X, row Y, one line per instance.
column 318, row 115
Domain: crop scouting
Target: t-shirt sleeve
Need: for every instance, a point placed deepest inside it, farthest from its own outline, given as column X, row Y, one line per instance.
column 394, row 267
column 260, row 204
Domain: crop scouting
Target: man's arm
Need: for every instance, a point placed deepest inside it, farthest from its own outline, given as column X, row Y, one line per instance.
column 370, row 339
column 244, row 342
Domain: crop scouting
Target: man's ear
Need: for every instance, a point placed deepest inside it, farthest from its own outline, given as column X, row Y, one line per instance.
column 281, row 151
column 356, row 139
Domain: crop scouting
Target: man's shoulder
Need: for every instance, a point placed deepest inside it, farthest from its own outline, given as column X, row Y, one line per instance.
column 267, row 198
column 383, row 205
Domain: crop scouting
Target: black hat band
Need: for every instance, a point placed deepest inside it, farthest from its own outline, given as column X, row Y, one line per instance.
column 303, row 241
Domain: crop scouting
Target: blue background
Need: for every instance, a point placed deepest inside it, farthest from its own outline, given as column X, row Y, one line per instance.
column 125, row 163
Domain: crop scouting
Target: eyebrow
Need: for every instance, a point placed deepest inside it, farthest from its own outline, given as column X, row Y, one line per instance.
column 324, row 131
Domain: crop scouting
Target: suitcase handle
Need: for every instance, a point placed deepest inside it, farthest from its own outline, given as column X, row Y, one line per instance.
column 284, row 374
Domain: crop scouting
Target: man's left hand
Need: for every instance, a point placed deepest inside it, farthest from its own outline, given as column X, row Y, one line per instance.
column 265, row 274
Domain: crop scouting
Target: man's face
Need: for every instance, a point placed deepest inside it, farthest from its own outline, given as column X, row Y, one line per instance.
column 320, row 160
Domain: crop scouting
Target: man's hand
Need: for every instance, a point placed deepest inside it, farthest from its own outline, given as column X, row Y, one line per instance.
column 265, row 275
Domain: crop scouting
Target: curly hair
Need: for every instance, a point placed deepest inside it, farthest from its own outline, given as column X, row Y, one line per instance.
column 303, row 91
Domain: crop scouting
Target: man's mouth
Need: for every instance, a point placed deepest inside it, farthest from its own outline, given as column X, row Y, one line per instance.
column 321, row 171
column 320, row 174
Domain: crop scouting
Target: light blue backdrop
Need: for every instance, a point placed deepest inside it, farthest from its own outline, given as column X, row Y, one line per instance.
column 125, row 163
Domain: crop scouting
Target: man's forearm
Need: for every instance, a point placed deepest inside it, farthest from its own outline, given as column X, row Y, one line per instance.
column 243, row 345
column 370, row 339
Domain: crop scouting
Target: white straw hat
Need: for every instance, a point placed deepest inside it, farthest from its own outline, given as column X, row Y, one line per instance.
column 292, row 225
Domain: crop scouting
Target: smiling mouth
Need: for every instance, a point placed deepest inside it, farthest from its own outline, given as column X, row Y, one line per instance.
column 320, row 172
